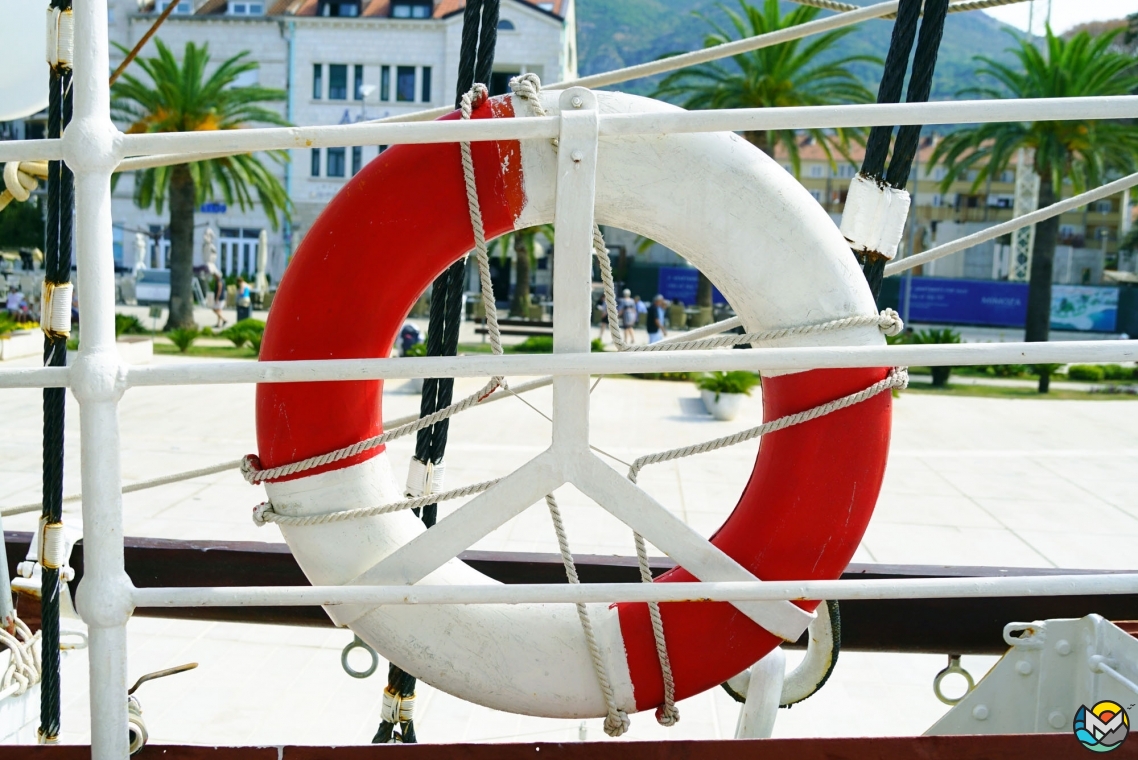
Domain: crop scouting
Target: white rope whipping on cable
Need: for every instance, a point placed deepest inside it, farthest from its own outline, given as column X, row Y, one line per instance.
column 23, row 671
column 616, row 721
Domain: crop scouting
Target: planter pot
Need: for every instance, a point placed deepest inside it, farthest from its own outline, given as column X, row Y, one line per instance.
column 726, row 408
column 940, row 376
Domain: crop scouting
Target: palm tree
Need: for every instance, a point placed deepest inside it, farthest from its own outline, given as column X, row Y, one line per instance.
column 1079, row 151
column 181, row 98
column 524, row 243
column 789, row 74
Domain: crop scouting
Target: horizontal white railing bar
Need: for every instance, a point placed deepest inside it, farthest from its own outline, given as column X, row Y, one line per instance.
column 870, row 115
column 741, row 119
column 608, row 593
column 612, row 363
column 1055, row 209
column 37, row 377
column 607, row 363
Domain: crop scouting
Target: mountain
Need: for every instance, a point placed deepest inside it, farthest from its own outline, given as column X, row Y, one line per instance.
column 616, row 33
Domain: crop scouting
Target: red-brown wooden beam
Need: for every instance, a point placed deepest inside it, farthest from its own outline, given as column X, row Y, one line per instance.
column 946, row 626
column 997, row 747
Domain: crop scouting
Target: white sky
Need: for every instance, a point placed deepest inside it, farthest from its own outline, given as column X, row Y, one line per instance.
column 1064, row 13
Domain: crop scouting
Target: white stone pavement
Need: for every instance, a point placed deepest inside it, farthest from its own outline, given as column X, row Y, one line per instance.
column 971, row 481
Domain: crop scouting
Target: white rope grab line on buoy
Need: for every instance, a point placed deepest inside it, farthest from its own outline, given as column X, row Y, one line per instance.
column 616, row 721
column 23, row 671
column 21, row 178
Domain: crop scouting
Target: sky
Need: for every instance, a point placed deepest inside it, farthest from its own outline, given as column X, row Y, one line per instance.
column 1064, row 13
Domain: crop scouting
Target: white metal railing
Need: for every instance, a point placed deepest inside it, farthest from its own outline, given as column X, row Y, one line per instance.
column 93, row 148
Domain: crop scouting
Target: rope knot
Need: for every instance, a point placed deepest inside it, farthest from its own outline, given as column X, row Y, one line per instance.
column 259, row 512
column 528, row 88
column 900, row 377
column 250, row 468
column 616, row 723
column 473, row 99
column 890, row 322
column 20, row 179
column 667, row 715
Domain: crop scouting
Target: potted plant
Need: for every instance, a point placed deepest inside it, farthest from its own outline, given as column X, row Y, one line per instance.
column 723, row 392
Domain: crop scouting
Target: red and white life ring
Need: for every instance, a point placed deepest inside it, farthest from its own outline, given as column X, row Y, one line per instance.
column 714, row 198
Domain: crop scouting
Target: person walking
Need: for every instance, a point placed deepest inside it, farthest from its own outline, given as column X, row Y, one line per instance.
column 628, row 316
column 656, row 329
column 603, row 324
column 244, row 299
column 219, row 298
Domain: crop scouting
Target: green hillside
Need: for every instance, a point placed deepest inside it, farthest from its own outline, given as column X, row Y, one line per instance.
column 616, row 33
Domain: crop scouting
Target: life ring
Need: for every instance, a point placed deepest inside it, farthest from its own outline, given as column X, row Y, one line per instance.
column 715, row 199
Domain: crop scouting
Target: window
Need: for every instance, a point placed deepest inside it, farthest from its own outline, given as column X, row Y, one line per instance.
column 357, row 159
column 505, row 25
column 317, row 81
column 246, row 9
column 847, row 171
column 337, row 81
column 383, row 148
column 385, row 83
column 817, row 171
column 938, row 201
column 335, row 162
column 357, row 82
column 411, row 9
column 405, row 83
column 817, row 195
column 426, row 88
column 939, row 173
column 183, row 9
column 315, row 162
column 237, row 250
column 338, row 8
column 1104, row 207
column 1007, row 176
column 500, row 81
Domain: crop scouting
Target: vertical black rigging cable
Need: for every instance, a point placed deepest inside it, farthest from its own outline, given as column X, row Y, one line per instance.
column 920, row 86
column 476, row 63
column 57, row 265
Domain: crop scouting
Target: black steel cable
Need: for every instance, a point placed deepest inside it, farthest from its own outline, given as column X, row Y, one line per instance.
column 57, row 266
column 920, row 87
column 892, row 83
column 476, row 63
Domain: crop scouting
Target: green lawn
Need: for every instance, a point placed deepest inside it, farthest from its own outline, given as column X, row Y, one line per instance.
column 207, row 352
column 1002, row 391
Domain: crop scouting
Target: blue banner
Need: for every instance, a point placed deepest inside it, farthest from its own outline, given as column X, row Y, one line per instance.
column 681, row 284
column 995, row 303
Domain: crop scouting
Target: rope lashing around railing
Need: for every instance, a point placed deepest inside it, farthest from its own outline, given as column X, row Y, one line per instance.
column 24, row 667
column 21, row 178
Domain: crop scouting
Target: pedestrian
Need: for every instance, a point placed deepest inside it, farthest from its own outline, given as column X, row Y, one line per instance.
column 656, row 329
column 641, row 307
column 628, row 316
column 603, row 310
column 244, row 299
column 219, row 298
column 409, row 336
column 16, row 303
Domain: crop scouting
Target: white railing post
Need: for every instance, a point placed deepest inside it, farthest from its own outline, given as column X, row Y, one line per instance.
column 91, row 150
column 573, row 264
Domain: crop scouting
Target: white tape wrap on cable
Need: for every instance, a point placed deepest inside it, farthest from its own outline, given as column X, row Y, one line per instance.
column 424, row 478
column 875, row 215
column 60, row 38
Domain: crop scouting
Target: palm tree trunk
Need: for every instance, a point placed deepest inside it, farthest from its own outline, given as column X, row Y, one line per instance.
column 1042, row 263
column 519, row 305
column 760, row 139
column 181, row 248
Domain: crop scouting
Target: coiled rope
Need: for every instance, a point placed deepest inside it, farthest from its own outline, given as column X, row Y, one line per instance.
column 24, row 667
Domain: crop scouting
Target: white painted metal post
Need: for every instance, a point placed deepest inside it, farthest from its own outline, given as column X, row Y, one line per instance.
column 91, row 150
column 764, row 692
column 573, row 264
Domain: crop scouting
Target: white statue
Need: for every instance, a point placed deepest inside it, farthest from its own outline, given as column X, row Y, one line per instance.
column 209, row 251
column 140, row 250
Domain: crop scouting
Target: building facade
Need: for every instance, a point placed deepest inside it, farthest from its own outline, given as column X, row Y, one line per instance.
column 339, row 62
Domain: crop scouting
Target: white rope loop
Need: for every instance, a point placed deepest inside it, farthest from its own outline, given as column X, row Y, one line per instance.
column 616, row 721
column 23, row 671
column 21, row 178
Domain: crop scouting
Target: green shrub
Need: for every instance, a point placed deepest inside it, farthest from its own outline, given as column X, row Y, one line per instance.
column 1118, row 372
column 728, row 382
column 536, row 344
column 943, row 335
column 1086, row 372
column 683, row 377
column 183, row 337
column 239, row 337
column 1005, row 370
column 254, row 338
column 418, row 349
column 128, row 324
column 256, row 325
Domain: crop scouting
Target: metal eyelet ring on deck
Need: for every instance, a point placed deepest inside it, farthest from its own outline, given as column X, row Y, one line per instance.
column 359, row 643
column 952, row 667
